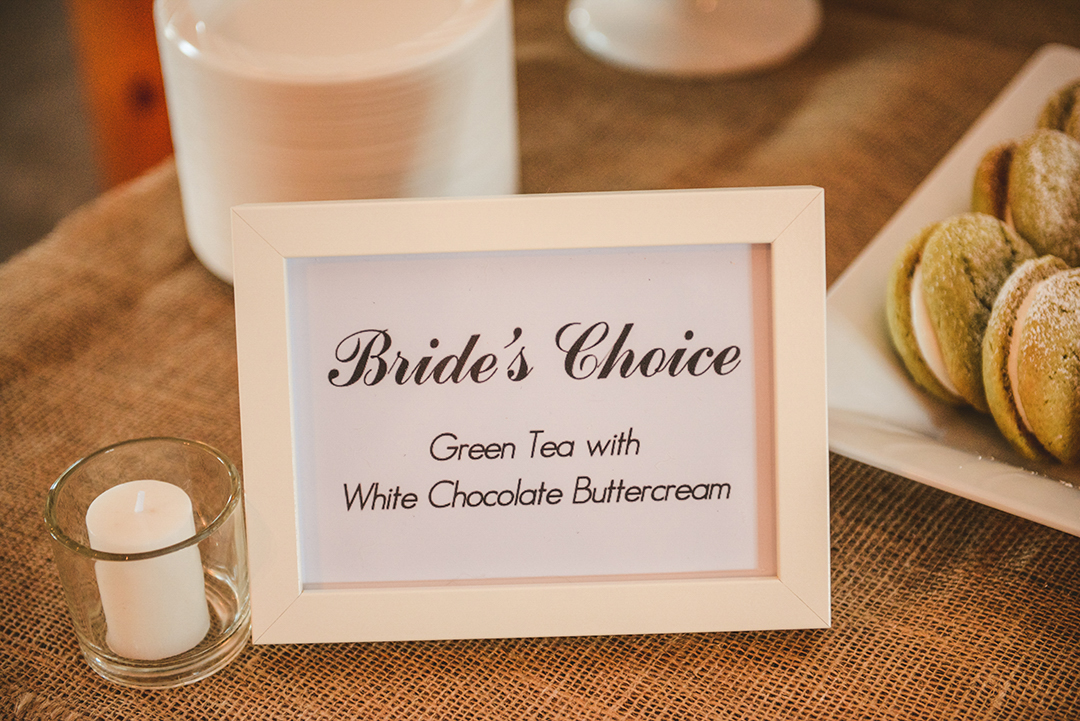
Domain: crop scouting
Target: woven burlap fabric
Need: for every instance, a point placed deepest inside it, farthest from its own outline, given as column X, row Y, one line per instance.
column 942, row 608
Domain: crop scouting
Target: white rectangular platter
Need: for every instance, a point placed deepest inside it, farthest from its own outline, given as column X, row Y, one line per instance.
column 876, row 414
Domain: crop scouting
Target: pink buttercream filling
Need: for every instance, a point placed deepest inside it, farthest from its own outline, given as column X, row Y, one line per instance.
column 1012, row 361
column 925, row 335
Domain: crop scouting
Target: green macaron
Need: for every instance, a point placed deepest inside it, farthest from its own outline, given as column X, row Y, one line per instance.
column 1031, row 360
column 941, row 288
column 1044, row 193
column 990, row 192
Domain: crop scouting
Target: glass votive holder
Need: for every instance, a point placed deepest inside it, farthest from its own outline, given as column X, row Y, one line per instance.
column 150, row 545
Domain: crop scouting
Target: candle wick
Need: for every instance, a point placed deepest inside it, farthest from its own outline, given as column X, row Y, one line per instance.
column 140, row 500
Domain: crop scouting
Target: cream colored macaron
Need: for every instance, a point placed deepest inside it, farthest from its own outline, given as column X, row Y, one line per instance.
column 1062, row 110
column 941, row 289
column 1031, row 360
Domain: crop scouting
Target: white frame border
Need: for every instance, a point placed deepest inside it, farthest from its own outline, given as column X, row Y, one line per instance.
column 790, row 220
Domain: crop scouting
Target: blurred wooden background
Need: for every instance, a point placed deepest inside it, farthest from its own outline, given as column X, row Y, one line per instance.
column 117, row 57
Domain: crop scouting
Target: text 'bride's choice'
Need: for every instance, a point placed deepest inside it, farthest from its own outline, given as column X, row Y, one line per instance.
column 588, row 352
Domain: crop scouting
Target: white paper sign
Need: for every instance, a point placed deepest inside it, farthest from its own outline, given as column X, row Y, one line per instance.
column 529, row 414
column 534, row 415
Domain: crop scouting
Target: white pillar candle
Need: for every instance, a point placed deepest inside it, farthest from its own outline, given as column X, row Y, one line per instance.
column 156, row 607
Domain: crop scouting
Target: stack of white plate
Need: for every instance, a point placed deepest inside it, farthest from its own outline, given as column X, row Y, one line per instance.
column 294, row 100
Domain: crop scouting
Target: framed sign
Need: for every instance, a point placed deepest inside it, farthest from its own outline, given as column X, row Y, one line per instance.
column 534, row 415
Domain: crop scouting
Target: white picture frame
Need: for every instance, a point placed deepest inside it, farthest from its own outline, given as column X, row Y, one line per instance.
column 794, row 592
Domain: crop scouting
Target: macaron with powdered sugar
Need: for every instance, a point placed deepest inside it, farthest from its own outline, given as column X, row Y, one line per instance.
column 1033, row 184
column 1031, row 360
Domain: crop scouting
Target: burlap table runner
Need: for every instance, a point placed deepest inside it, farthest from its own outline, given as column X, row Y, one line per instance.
column 110, row 329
